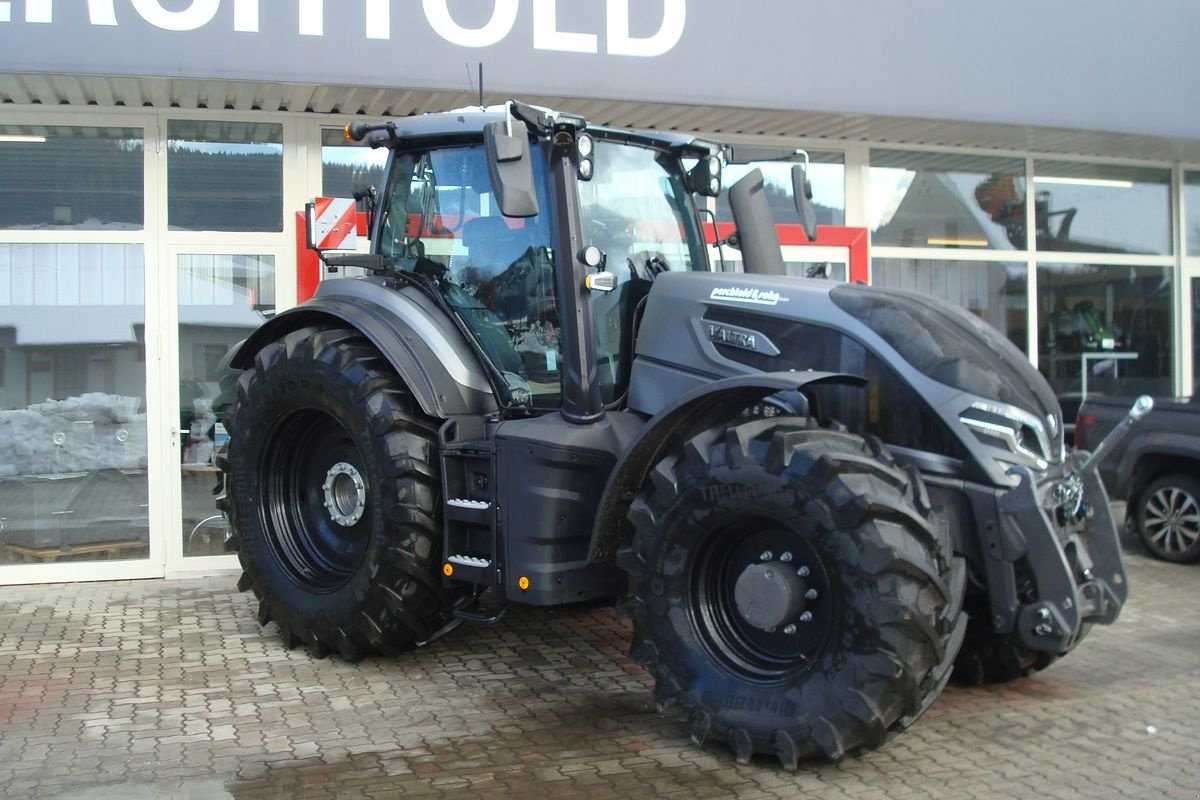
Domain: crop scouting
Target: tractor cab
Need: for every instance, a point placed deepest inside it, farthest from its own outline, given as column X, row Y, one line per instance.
column 541, row 220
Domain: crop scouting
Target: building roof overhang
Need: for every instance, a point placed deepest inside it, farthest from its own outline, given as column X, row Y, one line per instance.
column 727, row 123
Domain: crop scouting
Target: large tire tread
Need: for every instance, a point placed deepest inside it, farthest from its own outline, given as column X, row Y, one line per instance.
column 917, row 627
column 399, row 601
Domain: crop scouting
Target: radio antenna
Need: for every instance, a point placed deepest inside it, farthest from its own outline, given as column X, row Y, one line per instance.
column 481, row 84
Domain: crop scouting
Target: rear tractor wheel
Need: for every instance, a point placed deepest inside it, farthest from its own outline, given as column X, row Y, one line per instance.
column 791, row 590
column 332, row 490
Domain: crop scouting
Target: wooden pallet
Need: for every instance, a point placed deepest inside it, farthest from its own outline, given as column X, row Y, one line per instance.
column 95, row 551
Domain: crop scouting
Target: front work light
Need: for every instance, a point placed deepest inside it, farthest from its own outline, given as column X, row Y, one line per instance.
column 705, row 177
column 584, row 147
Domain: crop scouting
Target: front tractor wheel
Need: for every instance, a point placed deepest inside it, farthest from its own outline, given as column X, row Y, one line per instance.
column 791, row 590
column 332, row 491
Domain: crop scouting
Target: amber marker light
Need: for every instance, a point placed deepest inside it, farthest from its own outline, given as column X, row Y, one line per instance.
column 448, row 570
column 349, row 138
column 523, row 583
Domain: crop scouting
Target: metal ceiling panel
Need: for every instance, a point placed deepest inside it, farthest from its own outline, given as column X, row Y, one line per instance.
column 107, row 92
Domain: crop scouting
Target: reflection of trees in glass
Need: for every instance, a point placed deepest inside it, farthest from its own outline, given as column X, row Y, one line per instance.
column 72, row 181
column 341, row 180
column 224, row 191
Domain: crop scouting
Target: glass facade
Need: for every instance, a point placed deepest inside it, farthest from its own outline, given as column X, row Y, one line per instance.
column 1084, row 282
column 70, row 179
column 73, row 440
column 1102, row 318
column 826, row 173
column 1191, row 211
column 1102, row 208
column 946, row 200
column 224, row 176
column 347, row 167
column 1105, row 328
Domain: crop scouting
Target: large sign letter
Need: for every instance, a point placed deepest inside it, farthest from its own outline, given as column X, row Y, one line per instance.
column 245, row 15
column 39, row 10
column 100, row 12
column 312, row 17
column 379, row 19
column 547, row 36
column 620, row 43
column 504, row 16
column 197, row 15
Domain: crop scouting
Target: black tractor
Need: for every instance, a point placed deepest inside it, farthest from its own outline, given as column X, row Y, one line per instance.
column 813, row 499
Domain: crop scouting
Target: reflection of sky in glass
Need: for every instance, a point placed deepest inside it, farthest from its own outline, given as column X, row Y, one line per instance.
column 887, row 188
column 890, row 185
column 354, row 155
column 1132, row 219
column 225, row 148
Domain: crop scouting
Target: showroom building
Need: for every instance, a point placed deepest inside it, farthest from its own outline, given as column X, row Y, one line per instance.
column 155, row 154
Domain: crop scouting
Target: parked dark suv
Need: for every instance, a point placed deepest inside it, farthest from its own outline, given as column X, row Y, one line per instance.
column 1156, row 469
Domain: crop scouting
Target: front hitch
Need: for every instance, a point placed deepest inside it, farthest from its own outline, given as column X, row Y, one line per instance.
column 1141, row 407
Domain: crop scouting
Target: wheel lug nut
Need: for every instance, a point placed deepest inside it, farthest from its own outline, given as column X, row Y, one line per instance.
column 802, row 572
column 789, row 629
column 785, row 557
column 766, row 556
column 811, row 594
column 806, row 616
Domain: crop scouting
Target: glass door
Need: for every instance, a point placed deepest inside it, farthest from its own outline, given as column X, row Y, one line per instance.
column 226, row 238
column 223, row 295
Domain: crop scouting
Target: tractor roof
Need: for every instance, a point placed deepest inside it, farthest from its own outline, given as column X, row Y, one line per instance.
column 468, row 124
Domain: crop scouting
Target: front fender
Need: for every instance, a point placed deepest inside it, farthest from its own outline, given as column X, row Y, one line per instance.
column 426, row 350
column 696, row 411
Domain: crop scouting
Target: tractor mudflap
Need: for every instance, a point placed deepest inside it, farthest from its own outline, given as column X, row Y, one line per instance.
column 1052, row 556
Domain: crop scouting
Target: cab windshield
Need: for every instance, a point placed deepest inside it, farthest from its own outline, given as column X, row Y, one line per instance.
column 637, row 211
column 440, row 217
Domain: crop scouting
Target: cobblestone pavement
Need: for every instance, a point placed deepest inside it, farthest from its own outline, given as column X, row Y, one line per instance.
column 169, row 689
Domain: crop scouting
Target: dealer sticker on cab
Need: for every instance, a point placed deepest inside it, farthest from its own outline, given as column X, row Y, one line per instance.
column 747, row 294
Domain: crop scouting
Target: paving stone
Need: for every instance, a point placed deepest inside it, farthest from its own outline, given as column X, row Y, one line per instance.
column 172, row 685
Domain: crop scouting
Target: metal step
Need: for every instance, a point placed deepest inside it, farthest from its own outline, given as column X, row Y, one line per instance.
column 470, row 561
column 478, row 505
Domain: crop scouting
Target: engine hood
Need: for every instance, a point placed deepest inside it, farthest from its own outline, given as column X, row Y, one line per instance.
column 940, row 380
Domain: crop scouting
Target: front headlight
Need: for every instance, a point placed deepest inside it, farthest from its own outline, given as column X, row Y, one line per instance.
column 1020, row 434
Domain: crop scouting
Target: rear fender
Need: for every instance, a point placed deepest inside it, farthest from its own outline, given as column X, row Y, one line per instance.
column 696, row 411
column 431, row 356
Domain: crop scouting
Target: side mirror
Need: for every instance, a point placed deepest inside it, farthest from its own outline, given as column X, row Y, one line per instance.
column 755, row 226
column 802, row 192
column 331, row 223
column 510, row 168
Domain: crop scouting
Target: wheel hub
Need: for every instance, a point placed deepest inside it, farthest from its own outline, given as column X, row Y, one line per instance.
column 345, row 494
column 768, row 595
